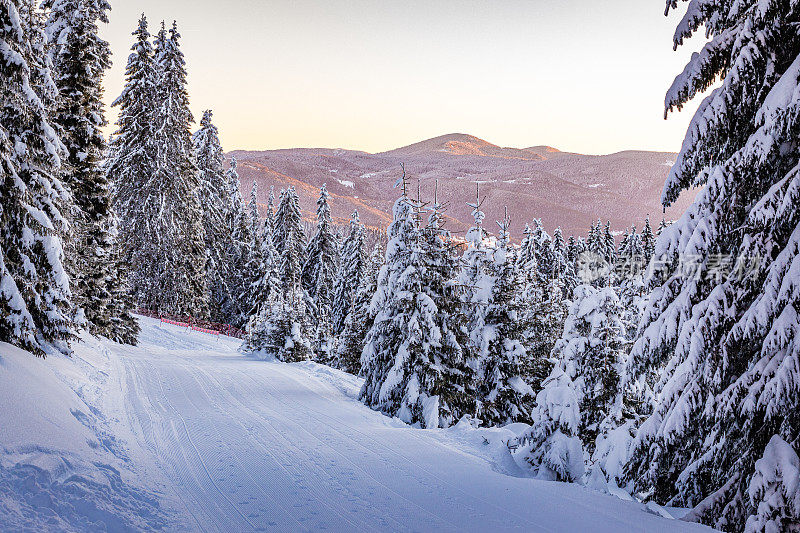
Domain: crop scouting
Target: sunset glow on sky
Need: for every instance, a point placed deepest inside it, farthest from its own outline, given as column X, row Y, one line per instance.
column 581, row 75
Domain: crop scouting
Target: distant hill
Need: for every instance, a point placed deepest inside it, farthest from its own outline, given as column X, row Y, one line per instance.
column 563, row 189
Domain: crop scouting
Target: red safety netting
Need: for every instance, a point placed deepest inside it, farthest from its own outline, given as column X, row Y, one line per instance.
column 202, row 326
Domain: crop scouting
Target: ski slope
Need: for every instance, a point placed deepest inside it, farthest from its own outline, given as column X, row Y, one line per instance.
column 203, row 438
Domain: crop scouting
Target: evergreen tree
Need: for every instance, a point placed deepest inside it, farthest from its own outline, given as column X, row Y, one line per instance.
column 648, row 242
column 239, row 252
column 476, row 277
column 558, row 255
column 630, row 271
column 775, row 490
column 132, row 159
column 256, row 268
column 608, row 244
column 526, row 249
column 279, row 328
column 289, row 237
column 217, row 224
column 177, row 166
column 593, row 240
column 35, row 307
column 723, row 345
column 265, row 283
column 661, row 227
column 412, row 361
column 581, row 402
column 124, row 328
column 319, row 271
column 503, row 394
column 359, row 319
column 254, row 219
column 156, row 181
column 542, row 315
column 351, row 272
column 80, row 57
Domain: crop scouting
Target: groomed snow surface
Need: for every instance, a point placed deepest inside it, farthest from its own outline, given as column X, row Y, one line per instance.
column 184, row 433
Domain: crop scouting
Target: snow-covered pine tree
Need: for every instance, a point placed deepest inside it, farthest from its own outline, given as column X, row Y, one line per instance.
column 724, row 345
column 289, row 237
column 582, row 393
column 503, row 394
column 156, row 182
column 476, row 275
column 265, row 284
column 775, row 490
column 80, row 58
column 593, row 239
column 452, row 376
column 609, row 245
column 186, row 267
column 573, row 250
column 279, row 327
column 648, row 242
column 254, row 219
column 124, row 327
column 281, row 322
column 629, row 272
column 413, row 362
column 526, row 248
column 319, row 271
column 239, row 252
column 35, row 296
column 558, row 255
column 351, row 272
column 542, row 315
column 663, row 225
column 544, row 252
column 217, row 223
column 133, row 151
column 359, row 319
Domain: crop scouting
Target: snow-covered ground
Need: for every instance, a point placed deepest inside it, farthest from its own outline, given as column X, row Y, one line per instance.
column 184, row 433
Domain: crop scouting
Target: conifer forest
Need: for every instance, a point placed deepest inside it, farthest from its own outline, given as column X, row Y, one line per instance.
column 183, row 350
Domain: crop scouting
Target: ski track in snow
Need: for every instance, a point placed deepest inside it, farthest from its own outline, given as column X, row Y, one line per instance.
column 237, row 444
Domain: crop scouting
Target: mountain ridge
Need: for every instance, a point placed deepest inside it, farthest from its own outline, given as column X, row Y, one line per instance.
column 563, row 189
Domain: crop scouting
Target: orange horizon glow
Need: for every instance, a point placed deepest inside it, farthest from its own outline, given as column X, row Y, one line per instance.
column 578, row 75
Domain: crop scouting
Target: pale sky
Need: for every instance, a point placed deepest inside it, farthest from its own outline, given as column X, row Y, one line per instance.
column 582, row 75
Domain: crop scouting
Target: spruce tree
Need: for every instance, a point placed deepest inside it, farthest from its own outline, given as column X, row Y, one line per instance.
column 723, row 346
column 775, row 490
column 35, row 301
column 351, row 272
column 289, row 237
column 217, row 223
column 413, row 362
column 558, row 255
column 359, row 318
column 609, row 245
column 648, row 242
column 581, row 401
column 453, row 377
column 239, row 253
column 265, row 262
column 254, row 219
column 156, row 181
column 319, row 272
column 280, row 327
column 503, row 394
column 476, row 276
column 80, row 58
column 177, row 167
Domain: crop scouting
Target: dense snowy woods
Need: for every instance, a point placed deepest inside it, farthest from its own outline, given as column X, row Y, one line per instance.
column 662, row 365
